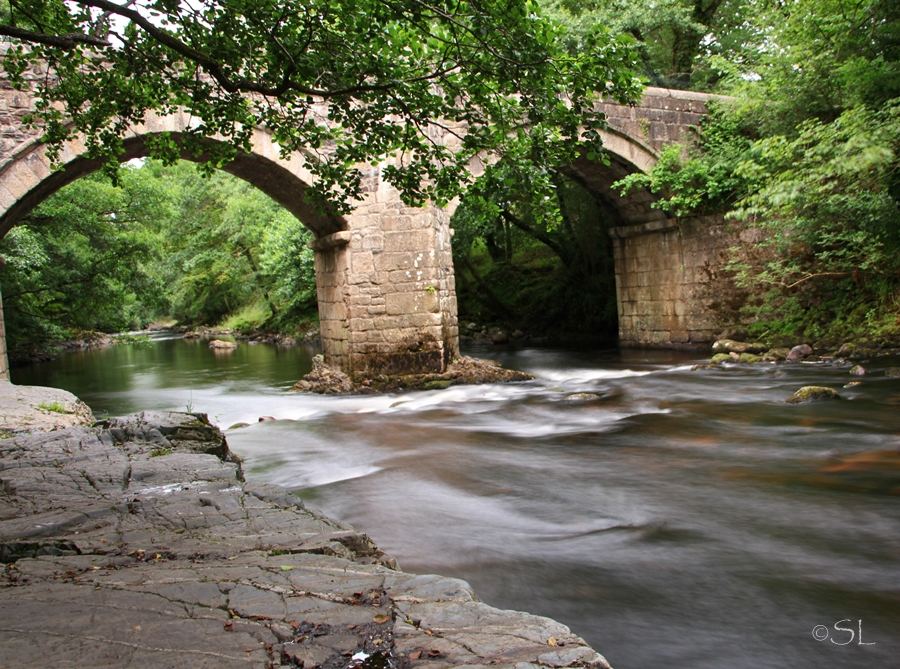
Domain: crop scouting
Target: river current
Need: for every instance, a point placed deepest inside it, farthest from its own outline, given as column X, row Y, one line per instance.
column 686, row 520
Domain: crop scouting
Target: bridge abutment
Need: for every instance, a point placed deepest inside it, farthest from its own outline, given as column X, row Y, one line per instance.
column 672, row 287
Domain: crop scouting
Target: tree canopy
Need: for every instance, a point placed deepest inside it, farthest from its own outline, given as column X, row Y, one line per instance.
column 348, row 82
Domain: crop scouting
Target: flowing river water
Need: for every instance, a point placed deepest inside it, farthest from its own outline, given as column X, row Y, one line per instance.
column 682, row 520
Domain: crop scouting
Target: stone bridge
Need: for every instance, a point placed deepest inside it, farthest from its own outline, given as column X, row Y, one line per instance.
column 384, row 273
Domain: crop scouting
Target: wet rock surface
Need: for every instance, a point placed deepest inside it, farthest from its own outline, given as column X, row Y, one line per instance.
column 464, row 371
column 137, row 543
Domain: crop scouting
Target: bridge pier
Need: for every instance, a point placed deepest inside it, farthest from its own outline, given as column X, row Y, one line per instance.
column 387, row 299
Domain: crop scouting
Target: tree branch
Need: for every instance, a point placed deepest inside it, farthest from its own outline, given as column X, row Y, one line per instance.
column 66, row 42
column 542, row 237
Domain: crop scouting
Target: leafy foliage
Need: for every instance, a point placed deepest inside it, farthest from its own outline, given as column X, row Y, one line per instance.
column 165, row 242
column 700, row 180
column 81, row 261
column 813, row 59
column 828, row 204
column 678, row 40
column 347, row 82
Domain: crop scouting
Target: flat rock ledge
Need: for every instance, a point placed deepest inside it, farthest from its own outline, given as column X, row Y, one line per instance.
column 26, row 408
column 137, row 543
column 464, row 371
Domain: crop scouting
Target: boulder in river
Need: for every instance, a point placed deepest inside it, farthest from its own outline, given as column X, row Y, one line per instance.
column 858, row 370
column 324, row 379
column 800, row 352
column 732, row 346
column 776, row 354
column 892, row 371
column 223, row 345
column 582, row 397
column 813, row 394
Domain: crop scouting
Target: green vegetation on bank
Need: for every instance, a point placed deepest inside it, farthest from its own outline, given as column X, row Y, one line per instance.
column 806, row 151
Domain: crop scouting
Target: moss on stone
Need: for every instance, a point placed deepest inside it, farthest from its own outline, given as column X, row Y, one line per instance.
column 813, row 394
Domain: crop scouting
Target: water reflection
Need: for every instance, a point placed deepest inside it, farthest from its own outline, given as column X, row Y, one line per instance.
column 680, row 519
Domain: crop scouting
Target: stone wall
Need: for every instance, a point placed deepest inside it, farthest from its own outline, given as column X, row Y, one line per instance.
column 671, row 285
column 664, row 117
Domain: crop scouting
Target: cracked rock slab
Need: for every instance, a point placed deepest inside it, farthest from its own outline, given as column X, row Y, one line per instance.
column 137, row 543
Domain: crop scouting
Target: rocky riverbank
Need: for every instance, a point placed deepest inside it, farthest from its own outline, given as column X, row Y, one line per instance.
column 737, row 348
column 137, row 542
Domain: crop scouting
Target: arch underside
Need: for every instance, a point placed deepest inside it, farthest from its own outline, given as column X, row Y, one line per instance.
column 273, row 178
column 626, row 156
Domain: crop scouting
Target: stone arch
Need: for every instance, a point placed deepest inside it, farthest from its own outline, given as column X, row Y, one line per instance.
column 627, row 155
column 384, row 277
column 27, row 178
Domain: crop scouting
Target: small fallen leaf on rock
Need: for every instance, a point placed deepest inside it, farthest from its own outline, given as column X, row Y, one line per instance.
column 381, row 618
column 286, row 567
column 416, row 655
column 552, row 641
column 229, row 627
column 293, row 623
column 429, row 632
column 434, row 652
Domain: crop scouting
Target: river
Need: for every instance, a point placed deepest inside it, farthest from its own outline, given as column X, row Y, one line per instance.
column 686, row 520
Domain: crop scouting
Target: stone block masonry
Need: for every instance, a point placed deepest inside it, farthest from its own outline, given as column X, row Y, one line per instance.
column 390, row 304
column 671, row 285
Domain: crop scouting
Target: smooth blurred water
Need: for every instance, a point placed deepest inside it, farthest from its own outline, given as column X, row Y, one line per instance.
column 681, row 519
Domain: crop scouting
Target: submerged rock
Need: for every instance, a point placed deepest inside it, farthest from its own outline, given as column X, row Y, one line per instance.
column 706, row 365
column 813, row 394
column 892, row 371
